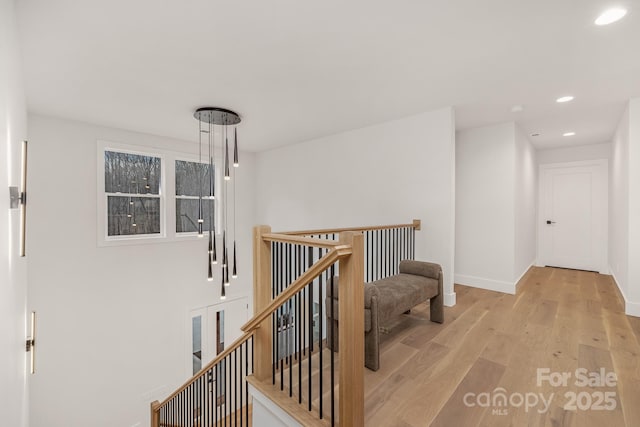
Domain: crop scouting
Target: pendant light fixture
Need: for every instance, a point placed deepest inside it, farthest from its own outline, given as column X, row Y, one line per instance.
column 222, row 118
column 236, row 162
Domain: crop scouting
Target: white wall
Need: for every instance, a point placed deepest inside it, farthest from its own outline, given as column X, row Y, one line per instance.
column 574, row 153
column 485, row 222
column 634, row 208
column 13, row 278
column 384, row 174
column 624, row 207
column 112, row 320
column 496, row 183
column 526, row 195
column 619, row 205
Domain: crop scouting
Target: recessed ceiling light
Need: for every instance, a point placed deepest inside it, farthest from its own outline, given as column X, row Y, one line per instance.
column 517, row 109
column 565, row 99
column 568, row 134
column 610, row 16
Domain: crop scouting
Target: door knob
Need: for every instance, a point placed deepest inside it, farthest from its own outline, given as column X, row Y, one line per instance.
column 550, row 222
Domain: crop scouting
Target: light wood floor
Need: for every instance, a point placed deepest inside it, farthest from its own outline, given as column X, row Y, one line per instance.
column 560, row 319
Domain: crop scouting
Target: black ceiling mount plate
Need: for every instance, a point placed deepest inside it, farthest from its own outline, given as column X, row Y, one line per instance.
column 217, row 116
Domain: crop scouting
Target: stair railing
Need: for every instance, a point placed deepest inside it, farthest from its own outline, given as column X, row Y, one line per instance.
column 286, row 335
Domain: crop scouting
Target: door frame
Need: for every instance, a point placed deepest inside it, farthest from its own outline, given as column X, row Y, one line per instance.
column 208, row 326
column 604, row 164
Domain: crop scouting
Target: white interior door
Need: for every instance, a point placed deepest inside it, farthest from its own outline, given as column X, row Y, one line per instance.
column 572, row 219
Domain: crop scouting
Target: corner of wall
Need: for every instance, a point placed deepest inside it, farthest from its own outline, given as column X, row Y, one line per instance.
column 631, row 308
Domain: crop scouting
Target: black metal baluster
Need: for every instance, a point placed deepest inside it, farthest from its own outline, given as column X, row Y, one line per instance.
column 281, row 314
column 227, row 390
column 406, row 237
column 298, row 310
column 199, row 401
column 215, row 394
column 367, row 261
column 384, row 254
column 207, row 397
column 333, row 347
column 246, row 370
column 235, row 383
column 379, row 257
column 396, row 251
column 241, row 378
column 300, row 331
column 301, row 313
column 404, row 243
column 310, row 320
column 400, row 245
column 392, row 249
column 388, row 253
column 274, row 274
column 371, row 232
column 320, row 298
column 197, row 405
column 294, row 250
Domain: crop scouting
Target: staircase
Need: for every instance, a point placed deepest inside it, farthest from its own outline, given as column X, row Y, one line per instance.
column 283, row 353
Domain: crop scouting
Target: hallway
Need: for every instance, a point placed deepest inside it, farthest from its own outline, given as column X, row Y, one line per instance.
column 570, row 322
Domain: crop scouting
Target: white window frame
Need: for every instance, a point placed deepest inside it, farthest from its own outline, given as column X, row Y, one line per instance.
column 167, row 196
column 216, row 205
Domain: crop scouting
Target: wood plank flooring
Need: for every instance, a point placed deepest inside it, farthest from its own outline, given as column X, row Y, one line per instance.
column 493, row 344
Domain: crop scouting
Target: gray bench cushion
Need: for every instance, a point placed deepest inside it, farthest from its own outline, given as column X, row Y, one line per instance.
column 397, row 294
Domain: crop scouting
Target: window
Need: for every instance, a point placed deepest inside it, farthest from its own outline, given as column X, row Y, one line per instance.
column 194, row 180
column 132, row 189
column 136, row 187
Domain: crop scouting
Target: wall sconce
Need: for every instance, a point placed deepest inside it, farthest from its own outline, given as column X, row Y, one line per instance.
column 18, row 199
column 31, row 342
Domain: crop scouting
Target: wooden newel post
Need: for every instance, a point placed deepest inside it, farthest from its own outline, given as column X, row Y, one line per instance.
column 155, row 414
column 261, row 299
column 351, row 338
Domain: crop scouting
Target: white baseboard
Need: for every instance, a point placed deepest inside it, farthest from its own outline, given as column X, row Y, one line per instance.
column 526, row 270
column 489, row 284
column 450, row 299
column 630, row 308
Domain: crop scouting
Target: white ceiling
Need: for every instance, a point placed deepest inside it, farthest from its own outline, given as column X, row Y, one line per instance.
column 297, row 70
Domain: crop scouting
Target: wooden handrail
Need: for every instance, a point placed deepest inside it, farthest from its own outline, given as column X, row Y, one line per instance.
column 297, row 240
column 237, row 343
column 348, row 250
column 417, row 224
column 296, row 286
column 334, row 254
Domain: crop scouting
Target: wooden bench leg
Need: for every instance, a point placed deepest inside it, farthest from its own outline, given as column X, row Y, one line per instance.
column 436, row 306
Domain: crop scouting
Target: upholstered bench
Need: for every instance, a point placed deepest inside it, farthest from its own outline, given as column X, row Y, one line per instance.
column 384, row 299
